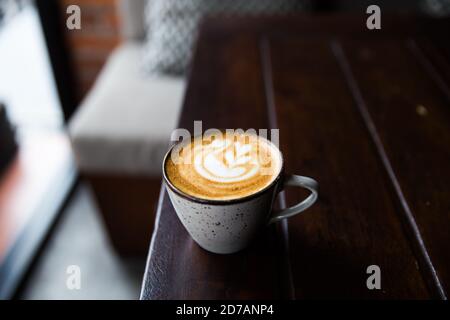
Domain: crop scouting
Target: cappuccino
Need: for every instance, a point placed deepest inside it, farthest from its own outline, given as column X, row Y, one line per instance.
column 223, row 166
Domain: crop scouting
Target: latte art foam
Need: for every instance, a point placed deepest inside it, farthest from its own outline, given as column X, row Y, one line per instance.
column 224, row 167
column 225, row 161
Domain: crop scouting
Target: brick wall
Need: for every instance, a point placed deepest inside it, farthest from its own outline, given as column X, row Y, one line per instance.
column 90, row 46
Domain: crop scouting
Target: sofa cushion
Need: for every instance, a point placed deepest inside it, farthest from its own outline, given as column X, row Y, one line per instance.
column 124, row 124
column 172, row 26
column 132, row 19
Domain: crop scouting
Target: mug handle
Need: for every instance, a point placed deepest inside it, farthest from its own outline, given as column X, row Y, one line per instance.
column 297, row 181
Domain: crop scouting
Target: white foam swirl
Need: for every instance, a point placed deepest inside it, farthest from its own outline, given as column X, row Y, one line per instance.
column 226, row 161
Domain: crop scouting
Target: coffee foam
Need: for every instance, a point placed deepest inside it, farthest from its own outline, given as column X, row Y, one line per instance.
column 223, row 167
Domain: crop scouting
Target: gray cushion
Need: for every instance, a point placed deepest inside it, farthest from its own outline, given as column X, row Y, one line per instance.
column 172, row 26
column 124, row 124
column 132, row 19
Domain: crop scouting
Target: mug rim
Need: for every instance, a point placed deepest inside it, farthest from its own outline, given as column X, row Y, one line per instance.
column 219, row 201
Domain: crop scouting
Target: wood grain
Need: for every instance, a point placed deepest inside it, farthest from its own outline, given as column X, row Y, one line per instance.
column 355, row 221
column 364, row 114
column 412, row 120
column 177, row 267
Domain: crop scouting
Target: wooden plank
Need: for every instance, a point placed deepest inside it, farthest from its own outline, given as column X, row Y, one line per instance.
column 360, row 219
column 307, row 24
column 355, row 224
column 411, row 114
column 225, row 91
column 434, row 59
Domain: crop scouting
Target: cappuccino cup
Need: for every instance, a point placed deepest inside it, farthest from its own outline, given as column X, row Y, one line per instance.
column 223, row 187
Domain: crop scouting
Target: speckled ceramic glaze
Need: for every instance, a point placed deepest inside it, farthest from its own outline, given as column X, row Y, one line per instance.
column 223, row 228
column 227, row 226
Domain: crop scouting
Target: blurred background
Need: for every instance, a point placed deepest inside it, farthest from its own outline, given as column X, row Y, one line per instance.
column 85, row 119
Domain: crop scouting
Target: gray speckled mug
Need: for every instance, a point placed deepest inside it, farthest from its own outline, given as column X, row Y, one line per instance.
column 227, row 226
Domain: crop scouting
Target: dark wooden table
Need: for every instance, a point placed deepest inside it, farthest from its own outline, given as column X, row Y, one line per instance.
column 367, row 114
